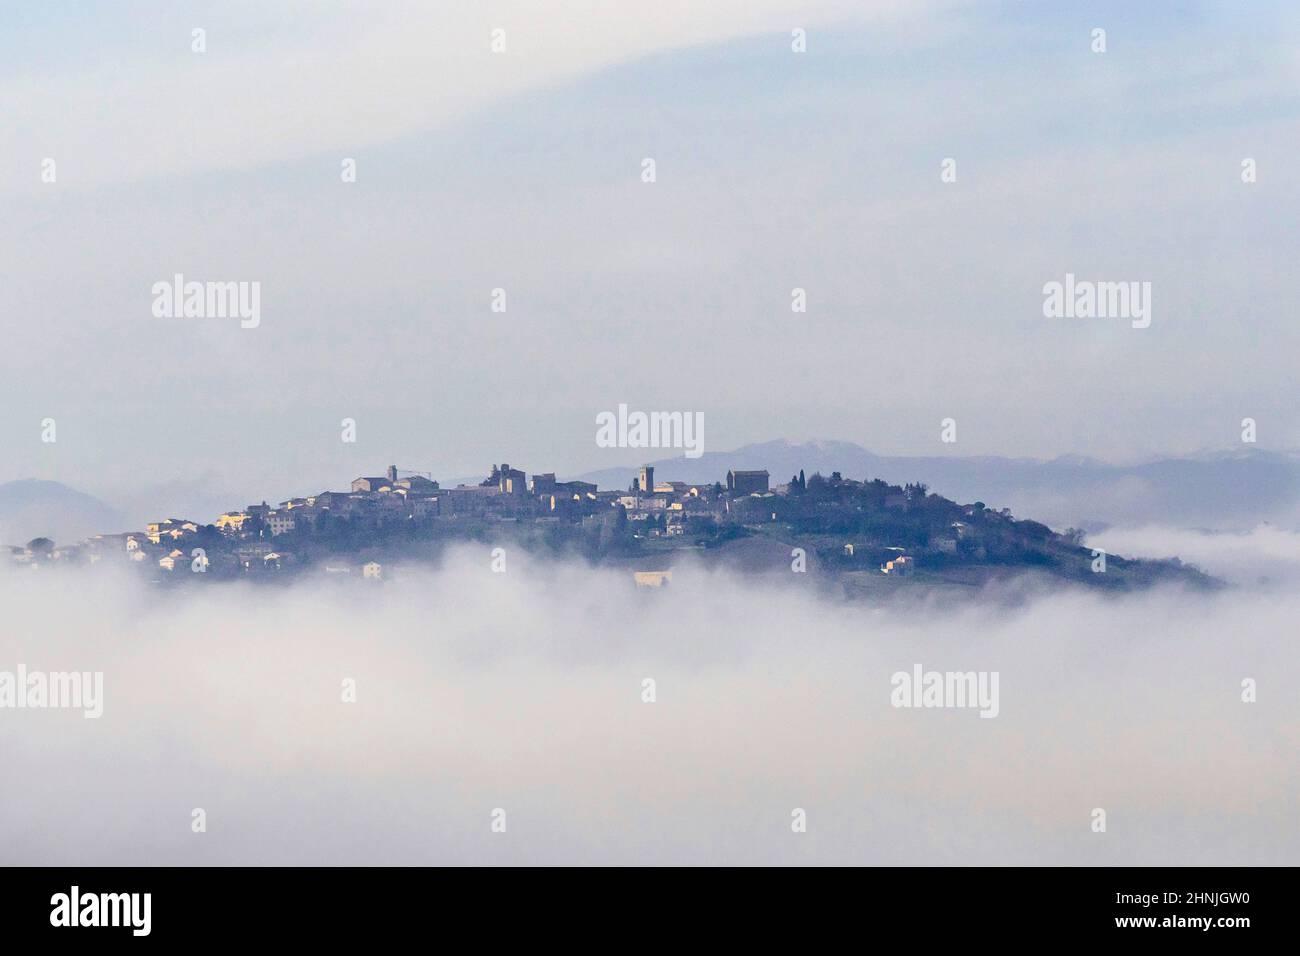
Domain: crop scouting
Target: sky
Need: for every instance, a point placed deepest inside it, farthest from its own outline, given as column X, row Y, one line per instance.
column 522, row 170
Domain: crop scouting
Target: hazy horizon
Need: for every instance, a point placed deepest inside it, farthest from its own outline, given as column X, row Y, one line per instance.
column 1132, row 505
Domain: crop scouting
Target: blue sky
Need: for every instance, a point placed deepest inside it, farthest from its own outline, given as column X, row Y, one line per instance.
column 775, row 170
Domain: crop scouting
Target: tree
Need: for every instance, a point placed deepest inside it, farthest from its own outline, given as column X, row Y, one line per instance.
column 614, row 535
column 40, row 546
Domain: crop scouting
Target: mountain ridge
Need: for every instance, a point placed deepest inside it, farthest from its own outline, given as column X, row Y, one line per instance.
column 1225, row 490
column 35, row 507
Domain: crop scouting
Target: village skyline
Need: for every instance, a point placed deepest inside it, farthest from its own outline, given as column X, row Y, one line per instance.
column 855, row 531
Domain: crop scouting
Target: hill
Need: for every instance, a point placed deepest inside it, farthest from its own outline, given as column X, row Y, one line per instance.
column 1229, row 490
column 32, row 508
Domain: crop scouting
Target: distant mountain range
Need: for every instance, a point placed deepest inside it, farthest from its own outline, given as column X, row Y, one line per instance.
column 1231, row 490
column 48, row 509
column 1221, row 491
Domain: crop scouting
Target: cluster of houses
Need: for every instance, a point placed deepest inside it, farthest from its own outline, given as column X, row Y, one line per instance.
column 253, row 538
column 263, row 538
column 507, row 493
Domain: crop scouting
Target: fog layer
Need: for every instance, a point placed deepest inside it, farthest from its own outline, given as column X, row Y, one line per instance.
column 524, row 691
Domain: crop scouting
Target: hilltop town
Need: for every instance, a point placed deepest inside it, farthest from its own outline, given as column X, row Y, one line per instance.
column 865, row 534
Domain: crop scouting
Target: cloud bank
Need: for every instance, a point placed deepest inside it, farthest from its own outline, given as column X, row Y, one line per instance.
column 523, row 691
column 1265, row 557
column 274, row 85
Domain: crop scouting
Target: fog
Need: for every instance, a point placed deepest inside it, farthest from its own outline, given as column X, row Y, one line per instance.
column 1266, row 556
column 523, row 690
